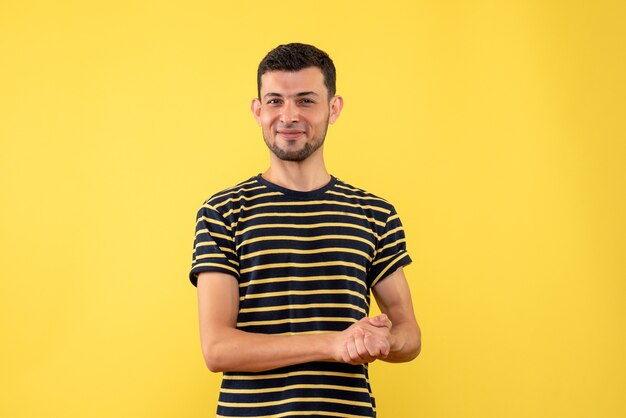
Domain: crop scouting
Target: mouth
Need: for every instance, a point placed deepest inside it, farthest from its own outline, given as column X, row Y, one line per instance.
column 290, row 133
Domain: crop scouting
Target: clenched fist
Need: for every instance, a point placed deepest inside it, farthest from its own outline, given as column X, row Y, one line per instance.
column 364, row 341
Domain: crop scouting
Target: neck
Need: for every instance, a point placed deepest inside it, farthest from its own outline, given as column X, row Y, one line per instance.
column 302, row 176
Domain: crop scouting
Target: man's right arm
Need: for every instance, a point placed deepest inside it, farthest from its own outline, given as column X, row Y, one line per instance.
column 225, row 348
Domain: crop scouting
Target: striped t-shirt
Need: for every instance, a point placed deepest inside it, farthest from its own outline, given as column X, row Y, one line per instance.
column 305, row 263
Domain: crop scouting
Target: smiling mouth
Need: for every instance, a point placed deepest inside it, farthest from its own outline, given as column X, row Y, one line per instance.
column 290, row 134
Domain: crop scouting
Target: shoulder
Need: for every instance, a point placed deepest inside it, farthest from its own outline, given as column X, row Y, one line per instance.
column 233, row 197
column 348, row 191
column 247, row 186
column 375, row 208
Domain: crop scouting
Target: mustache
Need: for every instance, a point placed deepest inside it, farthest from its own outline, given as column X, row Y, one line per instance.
column 291, row 127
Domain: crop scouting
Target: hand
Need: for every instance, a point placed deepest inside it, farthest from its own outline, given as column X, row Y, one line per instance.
column 364, row 341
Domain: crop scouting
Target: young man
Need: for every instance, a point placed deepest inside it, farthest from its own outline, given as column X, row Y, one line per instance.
column 284, row 263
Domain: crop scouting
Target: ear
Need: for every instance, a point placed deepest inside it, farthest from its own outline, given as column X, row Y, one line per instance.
column 255, row 107
column 336, row 104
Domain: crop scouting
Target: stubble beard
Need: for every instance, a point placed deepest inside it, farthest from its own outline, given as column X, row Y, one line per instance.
column 298, row 155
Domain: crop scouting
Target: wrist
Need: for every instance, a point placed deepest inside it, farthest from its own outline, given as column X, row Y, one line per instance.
column 329, row 346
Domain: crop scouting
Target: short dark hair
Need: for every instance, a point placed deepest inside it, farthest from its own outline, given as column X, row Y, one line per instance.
column 295, row 57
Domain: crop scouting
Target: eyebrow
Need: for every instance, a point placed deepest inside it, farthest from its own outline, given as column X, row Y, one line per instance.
column 301, row 94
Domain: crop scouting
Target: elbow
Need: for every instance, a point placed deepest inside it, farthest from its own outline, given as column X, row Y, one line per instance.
column 213, row 360
column 213, row 366
column 417, row 350
column 415, row 346
column 408, row 348
column 411, row 352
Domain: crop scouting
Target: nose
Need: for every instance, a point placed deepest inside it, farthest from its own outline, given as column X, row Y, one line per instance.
column 289, row 113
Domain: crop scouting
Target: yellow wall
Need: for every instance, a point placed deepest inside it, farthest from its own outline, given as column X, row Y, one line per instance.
column 496, row 128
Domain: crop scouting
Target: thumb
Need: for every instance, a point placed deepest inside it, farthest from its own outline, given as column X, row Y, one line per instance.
column 381, row 321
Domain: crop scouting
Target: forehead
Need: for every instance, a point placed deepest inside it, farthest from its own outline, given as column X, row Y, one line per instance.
column 292, row 82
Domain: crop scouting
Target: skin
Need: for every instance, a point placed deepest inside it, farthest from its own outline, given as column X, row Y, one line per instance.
column 294, row 112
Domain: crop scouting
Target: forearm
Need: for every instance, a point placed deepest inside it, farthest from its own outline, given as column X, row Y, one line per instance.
column 394, row 298
column 405, row 343
column 235, row 350
column 226, row 348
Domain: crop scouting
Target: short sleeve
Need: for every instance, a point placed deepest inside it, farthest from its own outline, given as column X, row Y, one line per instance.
column 214, row 245
column 391, row 250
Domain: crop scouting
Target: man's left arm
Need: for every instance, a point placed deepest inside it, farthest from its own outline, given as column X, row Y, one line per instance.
column 394, row 299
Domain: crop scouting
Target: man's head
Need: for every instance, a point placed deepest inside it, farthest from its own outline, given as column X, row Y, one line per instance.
column 295, row 57
column 296, row 101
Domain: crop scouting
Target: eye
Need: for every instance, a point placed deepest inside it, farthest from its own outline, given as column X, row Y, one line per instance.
column 306, row 101
column 273, row 101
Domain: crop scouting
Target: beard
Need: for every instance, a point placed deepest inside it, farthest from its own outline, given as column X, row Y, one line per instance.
column 297, row 155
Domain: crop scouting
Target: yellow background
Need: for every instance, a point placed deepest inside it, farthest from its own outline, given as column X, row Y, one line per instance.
column 496, row 128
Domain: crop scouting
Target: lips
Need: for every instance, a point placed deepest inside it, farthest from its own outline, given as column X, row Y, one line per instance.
column 290, row 133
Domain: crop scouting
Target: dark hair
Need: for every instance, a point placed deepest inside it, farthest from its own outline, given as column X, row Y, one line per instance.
column 295, row 57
